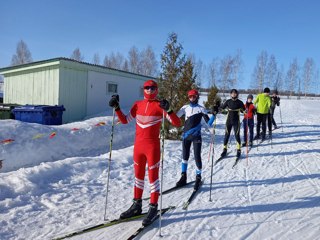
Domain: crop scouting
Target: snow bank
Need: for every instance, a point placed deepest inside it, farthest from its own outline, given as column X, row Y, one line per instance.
column 35, row 143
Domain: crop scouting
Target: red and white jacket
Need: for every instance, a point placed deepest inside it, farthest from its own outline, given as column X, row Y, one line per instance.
column 148, row 114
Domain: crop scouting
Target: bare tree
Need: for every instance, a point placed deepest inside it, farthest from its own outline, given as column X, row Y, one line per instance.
column 106, row 61
column 134, row 60
column 213, row 72
column 115, row 60
column 76, row 55
column 199, row 68
column 237, row 64
column 271, row 72
column 230, row 68
column 292, row 77
column 96, row 59
column 308, row 75
column 126, row 65
column 226, row 73
column 148, row 62
column 23, row 55
column 317, row 81
column 118, row 60
column 259, row 73
column 278, row 84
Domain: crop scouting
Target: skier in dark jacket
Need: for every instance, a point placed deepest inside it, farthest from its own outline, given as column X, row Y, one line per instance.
column 234, row 106
column 275, row 101
column 193, row 114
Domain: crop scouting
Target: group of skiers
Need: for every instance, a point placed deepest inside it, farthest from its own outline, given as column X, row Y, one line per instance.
column 263, row 106
column 149, row 114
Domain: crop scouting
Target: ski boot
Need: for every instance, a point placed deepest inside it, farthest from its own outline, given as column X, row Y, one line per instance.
column 224, row 153
column 183, row 180
column 134, row 210
column 250, row 144
column 198, row 181
column 244, row 144
column 152, row 213
column 256, row 137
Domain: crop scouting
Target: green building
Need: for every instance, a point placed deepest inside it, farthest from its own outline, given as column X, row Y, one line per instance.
column 84, row 89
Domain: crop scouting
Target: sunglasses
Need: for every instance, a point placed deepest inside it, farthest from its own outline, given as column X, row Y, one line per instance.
column 152, row 88
column 192, row 96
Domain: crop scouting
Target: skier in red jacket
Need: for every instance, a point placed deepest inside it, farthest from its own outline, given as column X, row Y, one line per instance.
column 248, row 121
column 148, row 113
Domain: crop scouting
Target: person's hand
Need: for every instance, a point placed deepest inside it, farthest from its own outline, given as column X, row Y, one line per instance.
column 254, row 111
column 114, row 102
column 164, row 104
column 215, row 110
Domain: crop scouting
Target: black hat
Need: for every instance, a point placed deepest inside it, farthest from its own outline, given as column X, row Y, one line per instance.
column 234, row 90
column 266, row 90
column 250, row 96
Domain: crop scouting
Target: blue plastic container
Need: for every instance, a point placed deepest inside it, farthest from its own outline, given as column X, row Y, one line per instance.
column 43, row 114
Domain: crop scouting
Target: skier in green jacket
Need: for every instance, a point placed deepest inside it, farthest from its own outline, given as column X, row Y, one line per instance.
column 262, row 103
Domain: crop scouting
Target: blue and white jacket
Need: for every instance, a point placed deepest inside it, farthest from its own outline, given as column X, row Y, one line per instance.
column 193, row 114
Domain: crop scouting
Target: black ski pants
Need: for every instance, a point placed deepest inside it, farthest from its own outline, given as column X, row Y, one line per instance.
column 186, row 145
column 271, row 120
column 236, row 129
column 261, row 120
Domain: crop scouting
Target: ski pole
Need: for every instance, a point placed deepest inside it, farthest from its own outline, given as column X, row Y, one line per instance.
column 257, row 140
column 161, row 181
column 212, row 157
column 281, row 119
column 247, row 137
column 109, row 163
column 270, row 127
column 211, row 142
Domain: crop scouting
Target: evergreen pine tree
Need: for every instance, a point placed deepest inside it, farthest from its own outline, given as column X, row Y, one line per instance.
column 213, row 98
column 176, row 77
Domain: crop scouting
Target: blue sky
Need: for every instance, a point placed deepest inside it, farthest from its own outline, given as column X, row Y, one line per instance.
column 208, row 29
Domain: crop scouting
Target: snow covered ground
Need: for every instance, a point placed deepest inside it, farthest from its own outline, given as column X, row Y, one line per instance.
column 53, row 186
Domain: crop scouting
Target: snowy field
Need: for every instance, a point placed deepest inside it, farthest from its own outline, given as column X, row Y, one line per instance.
column 52, row 186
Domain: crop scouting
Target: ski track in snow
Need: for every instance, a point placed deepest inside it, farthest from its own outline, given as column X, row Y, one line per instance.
column 275, row 196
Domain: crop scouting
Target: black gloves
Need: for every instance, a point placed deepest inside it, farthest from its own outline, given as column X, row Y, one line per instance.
column 114, row 102
column 215, row 110
column 165, row 105
column 254, row 111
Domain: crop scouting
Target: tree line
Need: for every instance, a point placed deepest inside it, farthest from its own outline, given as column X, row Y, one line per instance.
column 224, row 73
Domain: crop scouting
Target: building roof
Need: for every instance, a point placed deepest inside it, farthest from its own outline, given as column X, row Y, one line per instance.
column 59, row 59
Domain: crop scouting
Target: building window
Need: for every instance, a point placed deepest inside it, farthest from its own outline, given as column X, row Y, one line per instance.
column 112, row 88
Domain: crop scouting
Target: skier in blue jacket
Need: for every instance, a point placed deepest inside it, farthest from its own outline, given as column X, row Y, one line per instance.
column 193, row 113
